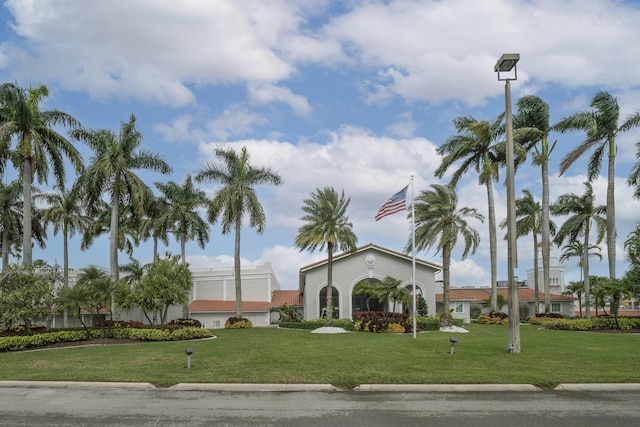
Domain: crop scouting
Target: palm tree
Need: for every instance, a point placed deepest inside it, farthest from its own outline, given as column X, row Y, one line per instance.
column 475, row 145
column 236, row 198
column 583, row 212
column 10, row 219
column 38, row 145
column 439, row 223
column 576, row 288
column 532, row 127
column 155, row 223
column 66, row 214
column 575, row 249
column 326, row 224
column 601, row 127
column 182, row 212
column 129, row 226
column 112, row 172
column 529, row 220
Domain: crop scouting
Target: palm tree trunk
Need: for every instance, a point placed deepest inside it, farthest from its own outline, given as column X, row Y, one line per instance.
column 113, row 236
column 536, row 299
column 446, row 320
column 611, row 210
column 185, row 306
column 329, row 309
column 155, row 249
column 236, row 264
column 65, row 270
column 585, row 266
column 492, row 246
column 27, row 176
column 5, row 249
column 546, row 233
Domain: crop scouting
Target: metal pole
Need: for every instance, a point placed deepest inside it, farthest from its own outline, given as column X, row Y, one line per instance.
column 413, row 257
column 512, row 256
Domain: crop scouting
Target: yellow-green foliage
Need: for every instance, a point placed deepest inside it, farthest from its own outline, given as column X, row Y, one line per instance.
column 242, row 324
column 625, row 323
column 488, row 319
column 14, row 343
column 394, row 328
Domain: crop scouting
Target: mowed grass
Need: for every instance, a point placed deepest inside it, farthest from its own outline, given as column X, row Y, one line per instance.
column 271, row 355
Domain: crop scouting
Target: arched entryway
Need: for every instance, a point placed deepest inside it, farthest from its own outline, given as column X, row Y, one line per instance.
column 359, row 302
column 335, row 297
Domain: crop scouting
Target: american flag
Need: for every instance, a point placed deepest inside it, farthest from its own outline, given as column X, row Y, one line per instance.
column 397, row 203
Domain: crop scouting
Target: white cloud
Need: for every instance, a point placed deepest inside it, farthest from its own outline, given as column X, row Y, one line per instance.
column 268, row 93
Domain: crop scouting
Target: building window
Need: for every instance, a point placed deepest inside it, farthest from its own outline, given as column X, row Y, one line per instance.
column 458, row 307
column 555, row 307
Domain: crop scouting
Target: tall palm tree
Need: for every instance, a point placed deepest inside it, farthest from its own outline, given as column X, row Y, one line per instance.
column 575, row 249
column 129, row 226
column 439, row 223
column 326, row 224
column 182, row 212
column 10, row 219
column 582, row 213
column 155, row 223
column 601, row 127
column 475, row 145
column 529, row 220
column 38, row 145
column 111, row 172
column 236, row 198
column 66, row 213
column 532, row 126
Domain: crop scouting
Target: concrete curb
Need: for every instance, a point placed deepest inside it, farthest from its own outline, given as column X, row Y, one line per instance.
column 445, row 387
column 253, row 387
column 599, row 387
column 76, row 384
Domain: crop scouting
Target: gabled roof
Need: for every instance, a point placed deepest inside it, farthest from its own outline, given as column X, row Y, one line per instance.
column 482, row 294
column 208, row 306
column 289, row 297
column 375, row 247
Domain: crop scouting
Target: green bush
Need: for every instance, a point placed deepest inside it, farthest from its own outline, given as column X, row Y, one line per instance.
column 238, row 323
column 14, row 343
column 186, row 322
column 525, row 311
column 475, row 310
column 599, row 323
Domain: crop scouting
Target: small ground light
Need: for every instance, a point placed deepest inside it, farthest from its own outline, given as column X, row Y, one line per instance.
column 188, row 352
column 509, row 348
column 453, row 340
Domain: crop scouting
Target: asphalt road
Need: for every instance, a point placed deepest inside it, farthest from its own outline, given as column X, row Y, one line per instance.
column 98, row 406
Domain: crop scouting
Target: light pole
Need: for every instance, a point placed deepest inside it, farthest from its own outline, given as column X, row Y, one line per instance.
column 506, row 64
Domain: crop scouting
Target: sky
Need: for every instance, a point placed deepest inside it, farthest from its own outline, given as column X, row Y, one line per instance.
column 357, row 95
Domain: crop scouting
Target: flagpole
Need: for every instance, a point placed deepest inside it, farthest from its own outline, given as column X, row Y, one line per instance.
column 413, row 256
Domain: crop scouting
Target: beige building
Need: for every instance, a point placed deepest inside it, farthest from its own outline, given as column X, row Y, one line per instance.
column 369, row 261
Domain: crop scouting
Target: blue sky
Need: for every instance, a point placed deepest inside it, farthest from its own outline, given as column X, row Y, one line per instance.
column 356, row 95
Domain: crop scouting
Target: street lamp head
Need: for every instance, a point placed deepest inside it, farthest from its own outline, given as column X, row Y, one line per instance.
column 507, row 61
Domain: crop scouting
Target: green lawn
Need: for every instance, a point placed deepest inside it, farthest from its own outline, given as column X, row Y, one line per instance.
column 269, row 355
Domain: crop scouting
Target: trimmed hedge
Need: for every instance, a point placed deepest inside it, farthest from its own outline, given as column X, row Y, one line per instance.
column 598, row 323
column 310, row 325
column 14, row 343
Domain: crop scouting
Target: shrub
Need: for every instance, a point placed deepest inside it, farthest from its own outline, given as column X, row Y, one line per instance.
column 395, row 328
column 525, row 311
column 237, row 323
column 377, row 321
column 494, row 318
column 475, row 310
column 186, row 322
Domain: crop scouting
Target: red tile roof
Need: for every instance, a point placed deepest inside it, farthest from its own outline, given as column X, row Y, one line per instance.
column 203, row 306
column 289, row 297
column 481, row 294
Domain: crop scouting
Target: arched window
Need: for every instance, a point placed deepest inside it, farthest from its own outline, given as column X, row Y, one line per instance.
column 359, row 302
column 335, row 297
